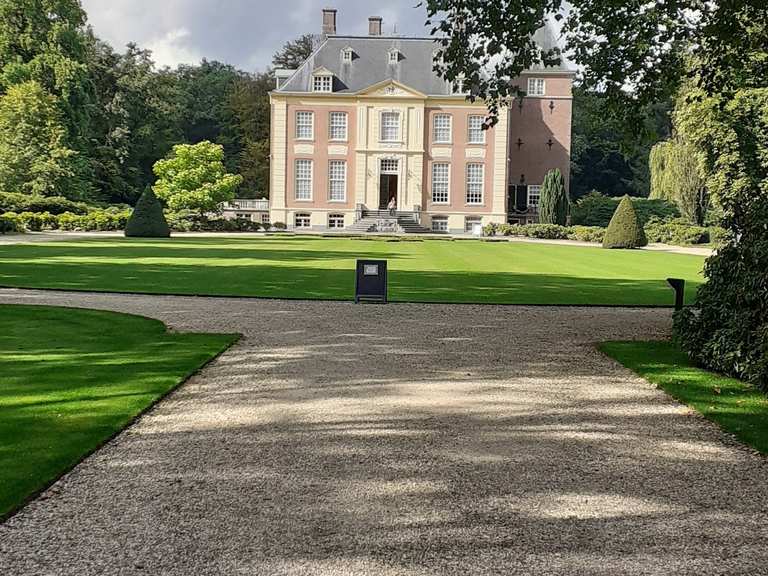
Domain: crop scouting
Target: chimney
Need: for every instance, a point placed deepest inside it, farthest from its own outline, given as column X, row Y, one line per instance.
column 374, row 26
column 329, row 21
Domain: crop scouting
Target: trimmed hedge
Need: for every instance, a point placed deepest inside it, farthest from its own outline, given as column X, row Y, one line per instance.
column 677, row 231
column 147, row 220
column 9, row 222
column 97, row 221
column 546, row 232
column 625, row 229
column 14, row 202
column 193, row 222
column 595, row 209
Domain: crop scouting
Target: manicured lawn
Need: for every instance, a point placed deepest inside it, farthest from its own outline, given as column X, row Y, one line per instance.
column 70, row 379
column 737, row 407
column 323, row 268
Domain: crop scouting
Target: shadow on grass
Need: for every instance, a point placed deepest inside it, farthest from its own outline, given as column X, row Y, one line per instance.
column 306, row 282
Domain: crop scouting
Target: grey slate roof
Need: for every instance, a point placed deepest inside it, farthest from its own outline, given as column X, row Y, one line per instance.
column 370, row 64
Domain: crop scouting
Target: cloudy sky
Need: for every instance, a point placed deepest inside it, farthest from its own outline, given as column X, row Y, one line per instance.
column 242, row 32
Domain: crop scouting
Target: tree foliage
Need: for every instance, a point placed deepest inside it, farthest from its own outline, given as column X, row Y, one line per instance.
column 554, row 205
column 34, row 157
column 677, row 175
column 625, row 229
column 616, row 44
column 294, row 53
column 194, row 178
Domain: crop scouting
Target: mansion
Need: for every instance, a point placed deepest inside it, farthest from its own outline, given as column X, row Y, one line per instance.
column 366, row 134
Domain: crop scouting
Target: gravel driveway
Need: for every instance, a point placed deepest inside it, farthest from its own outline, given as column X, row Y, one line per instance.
column 401, row 440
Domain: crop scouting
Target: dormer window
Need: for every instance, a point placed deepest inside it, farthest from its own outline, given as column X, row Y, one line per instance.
column 394, row 56
column 322, row 83
column 347, row 55
column 458, row 85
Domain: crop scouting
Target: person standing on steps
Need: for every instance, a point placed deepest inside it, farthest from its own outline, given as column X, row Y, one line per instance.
column 392, row 206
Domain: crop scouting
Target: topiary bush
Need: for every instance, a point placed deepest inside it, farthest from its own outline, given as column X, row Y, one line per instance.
column 147, row 220
column 554, row 206
column 625, row 230
column 595, row 209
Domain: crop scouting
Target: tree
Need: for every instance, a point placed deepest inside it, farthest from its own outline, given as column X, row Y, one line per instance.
column 294, row 52
column 147, row 219
column 194, row 178
column 616, row 44
column 554, row 206
column 136, row 121
column 46, row 41
column 247, row 127
column 34, row 157
column 603, row 156
column 677, row 175
column 625, row 230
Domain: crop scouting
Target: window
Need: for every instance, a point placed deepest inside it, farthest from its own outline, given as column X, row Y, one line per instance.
column 322, row 83
column 394, row 56
column 439, row 224
column 337, row 181
column 534, row 195
column 536, row 87
column 303, row 179
column 458, row 86
column 476, row 133
column 390, row 166
column 265, row 218
column 442, row 128
column 440, row 184
column 390, row 126
column 338, row 128
column 346, row 55
column 305, row 125
column 470, row 222
column 303, row 221
column 474, row 183
column 336, row 221
column 242, row 216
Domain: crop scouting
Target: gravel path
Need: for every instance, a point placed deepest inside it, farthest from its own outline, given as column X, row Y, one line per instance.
column 401, row 440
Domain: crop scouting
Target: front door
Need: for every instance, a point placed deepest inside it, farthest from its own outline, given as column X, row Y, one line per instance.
column 387, row 190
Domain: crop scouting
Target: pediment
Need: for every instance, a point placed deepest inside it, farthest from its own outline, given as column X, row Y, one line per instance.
column 391, row 89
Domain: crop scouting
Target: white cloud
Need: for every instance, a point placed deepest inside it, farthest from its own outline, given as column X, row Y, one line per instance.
column 174, row 48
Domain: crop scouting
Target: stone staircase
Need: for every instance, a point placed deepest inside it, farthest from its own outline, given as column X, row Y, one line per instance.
column 384, row 222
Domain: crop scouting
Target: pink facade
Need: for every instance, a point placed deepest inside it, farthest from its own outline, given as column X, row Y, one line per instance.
column 462, row 153
column 323, row 152
column 540, row 132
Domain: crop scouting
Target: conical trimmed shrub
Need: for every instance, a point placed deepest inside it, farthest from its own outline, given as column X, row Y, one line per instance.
column 554, row 205
column 147, row 220
column 625, row 230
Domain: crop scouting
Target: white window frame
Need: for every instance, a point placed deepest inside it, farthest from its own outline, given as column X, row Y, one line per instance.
column 336, row 178
column 394, row 56
column 301, row 125
column 383, row 127
column 322, row 83
column 534, row 191
column 472, row 132
column 334, row 220
column 304, row 217
column 436, row 130
column 537, row 87
column 475, row 187
column 301, row 178
column 344, row 125
column 441, row 220
column 347, row 55
column 471, row 221
column 445, row 185
column 265, row 218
